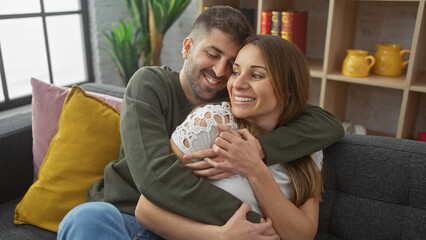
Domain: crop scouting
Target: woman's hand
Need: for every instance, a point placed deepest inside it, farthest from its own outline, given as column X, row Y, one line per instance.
column 216, row 172
column 203, row 168
column 238, row 151
column 238, row 227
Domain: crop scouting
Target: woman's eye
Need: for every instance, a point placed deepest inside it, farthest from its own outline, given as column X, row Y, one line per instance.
column 235, row 73
column 257, row 76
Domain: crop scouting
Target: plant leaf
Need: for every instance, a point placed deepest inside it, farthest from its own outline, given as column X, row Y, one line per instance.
column 125, row 51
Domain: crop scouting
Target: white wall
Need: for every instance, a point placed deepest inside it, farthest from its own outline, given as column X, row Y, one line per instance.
column 171, row 55
column 103, row 14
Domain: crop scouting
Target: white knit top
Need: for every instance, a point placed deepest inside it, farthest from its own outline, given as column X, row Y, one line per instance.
column 197, row 133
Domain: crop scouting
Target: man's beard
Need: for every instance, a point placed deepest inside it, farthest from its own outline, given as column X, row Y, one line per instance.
column 221, row 96
column 196, row 89
column 198, row 92
column 195, row 83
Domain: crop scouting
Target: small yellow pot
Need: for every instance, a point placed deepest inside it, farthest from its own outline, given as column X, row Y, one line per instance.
column 357, row 64
column 390, row 59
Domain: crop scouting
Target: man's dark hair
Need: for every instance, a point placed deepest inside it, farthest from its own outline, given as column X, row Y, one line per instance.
column 226, row 19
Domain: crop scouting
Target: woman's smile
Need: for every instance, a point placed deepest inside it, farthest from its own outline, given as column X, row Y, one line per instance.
column 250, row 89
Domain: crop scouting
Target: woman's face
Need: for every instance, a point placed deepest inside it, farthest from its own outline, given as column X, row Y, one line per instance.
column 250, row 89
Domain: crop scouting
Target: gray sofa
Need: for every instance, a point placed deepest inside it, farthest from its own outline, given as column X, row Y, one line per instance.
column 375, row 187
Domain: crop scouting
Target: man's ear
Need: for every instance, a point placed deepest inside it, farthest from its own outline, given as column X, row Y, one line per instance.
column 187, row 47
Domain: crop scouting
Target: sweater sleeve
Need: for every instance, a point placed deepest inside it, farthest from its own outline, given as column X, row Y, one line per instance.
column 156, row 172
column 314, row 129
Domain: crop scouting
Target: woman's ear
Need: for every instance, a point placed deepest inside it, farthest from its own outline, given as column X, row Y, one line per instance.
column 187, row 47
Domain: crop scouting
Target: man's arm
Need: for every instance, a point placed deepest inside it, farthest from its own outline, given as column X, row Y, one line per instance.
column 157, row 173
column 314, row 129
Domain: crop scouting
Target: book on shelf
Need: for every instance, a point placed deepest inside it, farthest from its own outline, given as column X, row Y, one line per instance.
column 265, row 23
column 276, row 23
column 294, row 27
column 290, row 25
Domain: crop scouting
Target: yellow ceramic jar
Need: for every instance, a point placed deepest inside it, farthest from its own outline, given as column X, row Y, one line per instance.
column 390, row 59
column 356, row 63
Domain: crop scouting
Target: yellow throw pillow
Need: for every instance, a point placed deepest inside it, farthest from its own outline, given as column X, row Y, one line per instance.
column 88, row 138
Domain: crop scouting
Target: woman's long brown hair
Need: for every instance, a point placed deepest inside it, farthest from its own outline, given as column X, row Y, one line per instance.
column 290, row 78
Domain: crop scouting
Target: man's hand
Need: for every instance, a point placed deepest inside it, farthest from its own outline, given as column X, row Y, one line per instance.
column 238, row 227
column 203, row 168
column 271, row 231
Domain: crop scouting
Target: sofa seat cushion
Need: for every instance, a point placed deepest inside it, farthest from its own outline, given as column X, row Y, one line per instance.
column 375, row 188
column 8, row 230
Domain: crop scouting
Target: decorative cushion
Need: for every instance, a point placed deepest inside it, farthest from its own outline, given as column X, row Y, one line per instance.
column 47, row 103
column 88, row 138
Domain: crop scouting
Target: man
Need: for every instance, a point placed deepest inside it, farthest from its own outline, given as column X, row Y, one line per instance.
column 158, row 99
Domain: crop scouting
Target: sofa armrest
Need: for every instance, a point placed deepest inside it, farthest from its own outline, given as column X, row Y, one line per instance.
column 16, row 158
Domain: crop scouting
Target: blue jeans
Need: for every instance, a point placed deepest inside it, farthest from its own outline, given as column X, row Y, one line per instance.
column 101, row 220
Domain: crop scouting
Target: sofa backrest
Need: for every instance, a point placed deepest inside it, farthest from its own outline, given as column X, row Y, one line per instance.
column 112, row 90
column 375, row 188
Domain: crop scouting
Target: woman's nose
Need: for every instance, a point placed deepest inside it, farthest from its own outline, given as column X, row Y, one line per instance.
column 240, row 81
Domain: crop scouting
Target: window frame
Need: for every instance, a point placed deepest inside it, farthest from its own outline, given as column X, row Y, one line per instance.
column 84, row 14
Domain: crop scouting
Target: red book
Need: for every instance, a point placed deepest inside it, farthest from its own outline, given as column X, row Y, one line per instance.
column 294, row 27
column 265, row 24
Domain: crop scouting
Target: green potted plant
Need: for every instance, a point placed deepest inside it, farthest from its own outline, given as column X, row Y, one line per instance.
column 125, row 50
column 162, row 14
column 140, row 42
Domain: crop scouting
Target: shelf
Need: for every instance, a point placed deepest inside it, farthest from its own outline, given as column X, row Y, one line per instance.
column 418, row 87
column 337, row 25
column 372, row 80
column 316, row 67
column 375, row 133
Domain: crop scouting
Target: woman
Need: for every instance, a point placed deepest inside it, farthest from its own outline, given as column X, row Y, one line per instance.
column 269, row 87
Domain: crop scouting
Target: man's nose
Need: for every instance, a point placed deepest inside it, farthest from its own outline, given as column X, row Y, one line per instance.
column 220, row 69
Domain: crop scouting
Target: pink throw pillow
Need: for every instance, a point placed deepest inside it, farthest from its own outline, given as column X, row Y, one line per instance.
column 47, row 103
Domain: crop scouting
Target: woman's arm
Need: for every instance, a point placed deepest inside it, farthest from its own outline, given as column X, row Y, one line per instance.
column 172, row 226
column 289, row 221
